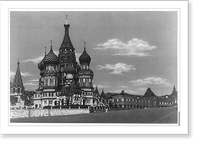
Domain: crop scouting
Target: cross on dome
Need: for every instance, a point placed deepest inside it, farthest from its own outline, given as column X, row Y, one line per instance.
column 66, row 20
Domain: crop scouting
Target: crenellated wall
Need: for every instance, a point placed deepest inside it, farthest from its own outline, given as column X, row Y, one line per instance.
column 26, row 113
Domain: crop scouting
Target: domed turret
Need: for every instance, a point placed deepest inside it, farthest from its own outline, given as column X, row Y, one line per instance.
column 51, row 58
column 84, row 58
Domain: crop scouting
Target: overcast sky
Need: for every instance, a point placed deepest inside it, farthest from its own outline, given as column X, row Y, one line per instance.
column 130, row 51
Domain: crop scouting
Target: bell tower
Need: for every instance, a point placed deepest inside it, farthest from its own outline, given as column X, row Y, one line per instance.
column 17, row 85
column 68, row 67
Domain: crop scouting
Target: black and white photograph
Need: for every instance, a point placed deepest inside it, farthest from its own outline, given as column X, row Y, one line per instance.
column 94, row 67
column 72, row 67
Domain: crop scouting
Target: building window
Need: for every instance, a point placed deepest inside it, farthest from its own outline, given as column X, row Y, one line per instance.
column 50, row 101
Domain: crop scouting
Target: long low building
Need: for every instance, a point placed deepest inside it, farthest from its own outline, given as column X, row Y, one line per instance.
column 148, row 100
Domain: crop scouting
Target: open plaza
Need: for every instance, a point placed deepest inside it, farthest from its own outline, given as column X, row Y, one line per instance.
column 154, row 115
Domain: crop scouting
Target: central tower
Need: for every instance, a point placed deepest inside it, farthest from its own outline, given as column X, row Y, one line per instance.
column 68, row 67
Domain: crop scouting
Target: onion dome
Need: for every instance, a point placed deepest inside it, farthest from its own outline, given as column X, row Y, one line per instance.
column 69, row 69
column 84, row 58
column 41, row 65
column 51, row 58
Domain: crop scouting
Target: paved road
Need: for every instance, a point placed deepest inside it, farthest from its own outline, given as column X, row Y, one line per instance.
column 154, row 115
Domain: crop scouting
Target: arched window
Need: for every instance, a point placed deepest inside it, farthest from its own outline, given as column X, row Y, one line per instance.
column 18, row 90
column 13, row 90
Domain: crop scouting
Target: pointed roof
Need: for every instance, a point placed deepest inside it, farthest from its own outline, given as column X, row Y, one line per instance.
column 174, row 89
column 66, row 40
column 96, row 90
column 149, row 93
column 17, row 82
column 174, row 93
column 102, row 93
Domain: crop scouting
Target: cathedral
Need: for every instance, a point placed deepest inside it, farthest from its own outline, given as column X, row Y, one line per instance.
column 63, row 81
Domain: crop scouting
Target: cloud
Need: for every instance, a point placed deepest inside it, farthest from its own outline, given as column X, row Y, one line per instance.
column 142, row 89
column 34, row 80
column 38, row 59
column 101, row 86
column 151, row 81
column 35, row 60
column 30, row 84
column 135, row 47
column 125, row 91
column 77, row 56
column 12, row 74
column 122, row 86
column 25, row 74
column 117, row 68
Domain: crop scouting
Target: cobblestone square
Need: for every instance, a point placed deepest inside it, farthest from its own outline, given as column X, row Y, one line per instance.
column 154, row 115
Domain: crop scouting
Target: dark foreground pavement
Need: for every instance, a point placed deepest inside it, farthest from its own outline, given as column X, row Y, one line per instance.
column 154, row 115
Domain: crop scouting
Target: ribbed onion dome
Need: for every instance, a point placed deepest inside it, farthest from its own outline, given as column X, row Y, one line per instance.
column 51, row 58
column 84, row 58
column 41, row 65
column 70, row 70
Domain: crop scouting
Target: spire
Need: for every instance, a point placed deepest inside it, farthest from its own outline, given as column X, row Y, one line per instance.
column 96, row 90
column 51, row 45
column 17, row 82
column 84, row 46
column 45, row 50
column 18, row 62
column 102, row 93
column 174, row 89
column 66, row 44
column 66, row 23
column 174, row 92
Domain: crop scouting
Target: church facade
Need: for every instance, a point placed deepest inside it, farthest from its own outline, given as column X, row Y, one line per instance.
column 63, row 81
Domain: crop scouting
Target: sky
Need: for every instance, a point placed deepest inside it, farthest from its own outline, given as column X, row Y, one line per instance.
column 130, row 50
